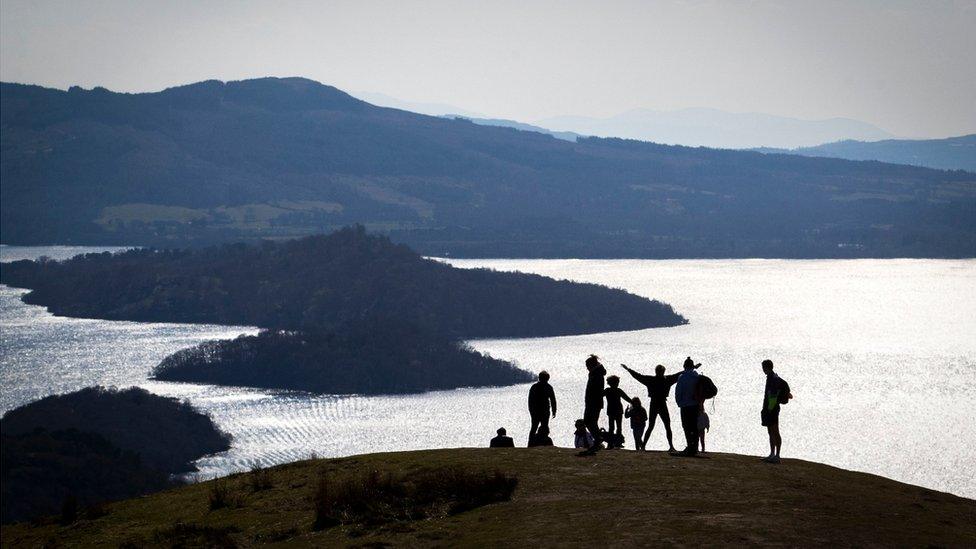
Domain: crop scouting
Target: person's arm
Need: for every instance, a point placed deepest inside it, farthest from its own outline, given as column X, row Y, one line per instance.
column 625, row 397
column 673, row 378
column 552, row 400
column 637, row 375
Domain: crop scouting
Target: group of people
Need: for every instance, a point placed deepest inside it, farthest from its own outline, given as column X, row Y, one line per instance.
column 691, row 390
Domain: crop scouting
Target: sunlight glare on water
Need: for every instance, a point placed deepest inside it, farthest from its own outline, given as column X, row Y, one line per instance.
column 880, row 356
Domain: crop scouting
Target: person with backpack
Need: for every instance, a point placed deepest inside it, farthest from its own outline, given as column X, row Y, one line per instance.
column 775, row 394
column 687, row 397
column 542, row 402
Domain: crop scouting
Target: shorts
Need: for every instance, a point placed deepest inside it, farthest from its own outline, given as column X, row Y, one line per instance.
column 770, row 417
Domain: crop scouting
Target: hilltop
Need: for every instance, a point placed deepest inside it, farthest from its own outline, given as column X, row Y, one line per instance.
column 617, row 498
column 228, row 161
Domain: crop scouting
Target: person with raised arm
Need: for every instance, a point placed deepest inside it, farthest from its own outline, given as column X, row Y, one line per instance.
column 658, row 389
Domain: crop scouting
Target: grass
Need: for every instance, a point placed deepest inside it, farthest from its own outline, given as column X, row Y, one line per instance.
column 376, row 497
column 617, row 498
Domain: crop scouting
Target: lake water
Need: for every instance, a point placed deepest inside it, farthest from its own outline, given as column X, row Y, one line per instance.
column 880, row 356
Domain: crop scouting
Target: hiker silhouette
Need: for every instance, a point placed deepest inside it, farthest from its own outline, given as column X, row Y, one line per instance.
column 686, row 395
column 658, row 389
column 542, row 402
column 593, row 400
column 502, row 440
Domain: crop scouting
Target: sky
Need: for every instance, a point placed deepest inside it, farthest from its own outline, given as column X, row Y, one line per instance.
column 906, row 66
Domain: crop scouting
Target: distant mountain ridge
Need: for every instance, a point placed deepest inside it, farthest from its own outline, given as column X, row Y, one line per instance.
column 287, row 157
column 952, row 153
column 521, row 126
column 700, row 127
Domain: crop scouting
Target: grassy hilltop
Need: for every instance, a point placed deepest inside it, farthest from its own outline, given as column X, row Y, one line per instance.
column 618, row 498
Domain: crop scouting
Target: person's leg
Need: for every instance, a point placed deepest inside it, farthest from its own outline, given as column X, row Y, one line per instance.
column 666, row 420
column 534, row 429
column 591, row 420
column 544, row 419
column 701, row 438
column 652, row 418
column 638, row 434
column 689, row 422
column 619, row 422
column 776, row 441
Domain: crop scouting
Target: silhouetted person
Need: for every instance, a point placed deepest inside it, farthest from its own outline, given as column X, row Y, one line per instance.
column 704, row 424
column 685, row 394
column 776, row 392
column 638, row 419
column 615, row 410
column 541, row 438
column 502, row 440
column 582, row 439
column 593, row 399
column 542, row 402
column 658, row 388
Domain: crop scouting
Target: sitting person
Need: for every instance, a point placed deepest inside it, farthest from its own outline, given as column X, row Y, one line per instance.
column 502, row 441
column 583, row 437
column 541, row 437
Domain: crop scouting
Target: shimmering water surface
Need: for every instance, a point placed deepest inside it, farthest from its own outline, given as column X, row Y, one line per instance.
column 880, row 355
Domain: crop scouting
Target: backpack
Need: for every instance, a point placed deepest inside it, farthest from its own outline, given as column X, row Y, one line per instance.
column 783, row 397
column 706, row 388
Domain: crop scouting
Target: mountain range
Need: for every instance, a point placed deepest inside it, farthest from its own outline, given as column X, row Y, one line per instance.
column 701, row 127
column 953, row 153
column 276, row 158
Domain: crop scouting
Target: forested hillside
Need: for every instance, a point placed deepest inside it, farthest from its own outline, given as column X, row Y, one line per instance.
column 323, row 282
column 67, row 452
column 215, row 161
column 377, row 356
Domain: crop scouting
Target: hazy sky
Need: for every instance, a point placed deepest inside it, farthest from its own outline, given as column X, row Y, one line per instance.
column 906, row 66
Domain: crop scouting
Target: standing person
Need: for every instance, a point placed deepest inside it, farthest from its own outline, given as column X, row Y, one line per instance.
column 502, row 440
column 704, row 424
column 776, row 393
column 615, row 410
column 542, row 401
column 593, row 400
column 658, row 388
column 638, row 419
column 686, row 395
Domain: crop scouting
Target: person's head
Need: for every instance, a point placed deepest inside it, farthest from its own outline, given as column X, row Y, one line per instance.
column 543, row 430
column 767, row 366
column 592, row 362
column 501, row 431
column 689, row 364
column 659, row 369
column 580, row 424
column 544, row 376
column 635, row 402
column 613, row 381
